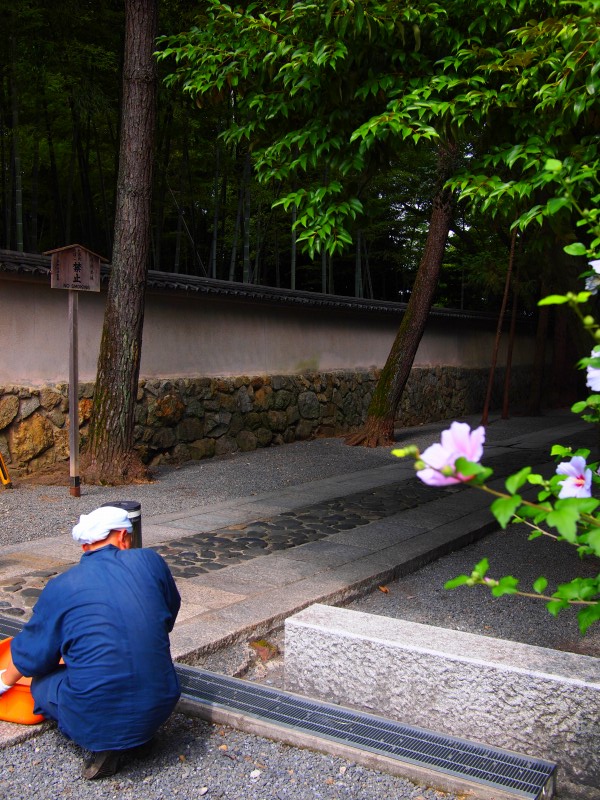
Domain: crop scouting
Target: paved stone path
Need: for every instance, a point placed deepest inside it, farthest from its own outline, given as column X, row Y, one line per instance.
column 190, row 556
column 198, row 553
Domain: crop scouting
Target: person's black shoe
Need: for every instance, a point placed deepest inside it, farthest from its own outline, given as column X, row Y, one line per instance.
column 101, row 765
column 142, row 750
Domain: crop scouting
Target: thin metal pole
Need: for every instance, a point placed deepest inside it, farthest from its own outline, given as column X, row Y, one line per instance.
column 75, row 488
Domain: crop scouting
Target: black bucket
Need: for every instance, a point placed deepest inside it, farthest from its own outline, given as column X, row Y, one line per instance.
column 134, row 512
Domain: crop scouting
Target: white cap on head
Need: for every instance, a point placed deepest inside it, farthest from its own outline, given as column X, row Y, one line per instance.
column 96, row 526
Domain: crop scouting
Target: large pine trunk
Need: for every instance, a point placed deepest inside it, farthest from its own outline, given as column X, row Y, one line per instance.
column 378, row 429
column 110, row 455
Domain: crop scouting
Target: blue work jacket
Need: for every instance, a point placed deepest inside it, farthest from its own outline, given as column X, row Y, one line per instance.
column 109, row 618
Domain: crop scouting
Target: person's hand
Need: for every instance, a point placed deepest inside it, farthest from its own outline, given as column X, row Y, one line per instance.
column 3, row 686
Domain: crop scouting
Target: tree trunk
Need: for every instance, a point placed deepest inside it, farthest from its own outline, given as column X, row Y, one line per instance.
column 511, row 346
column 163, row 155
column 71, row 180
column 236, row 233
column 111, row 457
column 246, row 268
column 32, row 234
column 294, row 249
column 216, row 210
column 58, row 209
column 358, row 276
column 16, row 152
column 534, row 405
column 378, row 429
column 488, row 395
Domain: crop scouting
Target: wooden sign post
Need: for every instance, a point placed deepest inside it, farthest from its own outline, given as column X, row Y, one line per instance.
column 77, row 269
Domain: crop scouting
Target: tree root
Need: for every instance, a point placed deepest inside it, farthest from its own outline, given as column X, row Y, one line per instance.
column 374, row 433
column 118, row 471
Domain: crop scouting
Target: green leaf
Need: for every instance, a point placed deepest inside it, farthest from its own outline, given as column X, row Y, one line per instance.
column 554, row 606
column 553, row 300
column 536, row 480
column 540, row 585
column 556, row 203
column 561, row 450
column 593, row 540
column 480, row 569
column 587, row 616
column 504, row 508
column 506, row 585
column 575, row 249
column 403, row 452
column 514, row 483
column 564, row 518
column 460, row 580
column 472, row 469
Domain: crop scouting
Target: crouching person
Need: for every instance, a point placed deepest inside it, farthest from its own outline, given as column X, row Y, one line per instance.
column 108, row 618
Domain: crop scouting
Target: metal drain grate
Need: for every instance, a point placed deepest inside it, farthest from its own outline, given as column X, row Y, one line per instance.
column 524, row 777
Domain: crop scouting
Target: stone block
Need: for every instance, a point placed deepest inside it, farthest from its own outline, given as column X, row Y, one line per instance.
column 84, row 410
column 181, row 453
column 263, row 437
column 190, row 429
column 277, row 420
column 9, row 408
column 282, row 399
column 246, row 441
column 225, row 445
column 539, row 702
column 263, row 398
column 163, row 438
column 227, row 402
column 292, row 414
column 308, row 405
column 194, row 408
column 305, row 429
column 169, row 409
column 49, row 398
column 244, row 399
column 61, row 443
column 252, row 421
column 279, row 382
column 203, row 448
column 33, row 436
column 216, row 424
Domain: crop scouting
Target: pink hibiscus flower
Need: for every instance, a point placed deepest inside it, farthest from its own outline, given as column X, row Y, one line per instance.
column 458, row 441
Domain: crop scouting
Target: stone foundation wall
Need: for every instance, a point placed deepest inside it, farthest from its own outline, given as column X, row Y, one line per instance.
column 193, row 418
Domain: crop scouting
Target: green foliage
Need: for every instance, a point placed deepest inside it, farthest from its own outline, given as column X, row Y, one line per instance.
column 562, row 511
column 505, row 508
column 330, row 85
column 472, row 471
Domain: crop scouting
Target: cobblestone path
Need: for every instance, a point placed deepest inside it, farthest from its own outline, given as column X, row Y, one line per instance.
column 202, row 552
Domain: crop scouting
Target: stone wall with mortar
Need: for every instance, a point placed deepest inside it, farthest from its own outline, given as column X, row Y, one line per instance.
column 178, row 420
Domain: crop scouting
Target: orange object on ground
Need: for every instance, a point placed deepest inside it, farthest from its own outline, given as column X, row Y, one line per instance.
column 16, row 705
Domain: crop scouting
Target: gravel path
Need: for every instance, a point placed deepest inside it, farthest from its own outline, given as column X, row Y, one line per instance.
column 32, row 511
column 193, row 760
